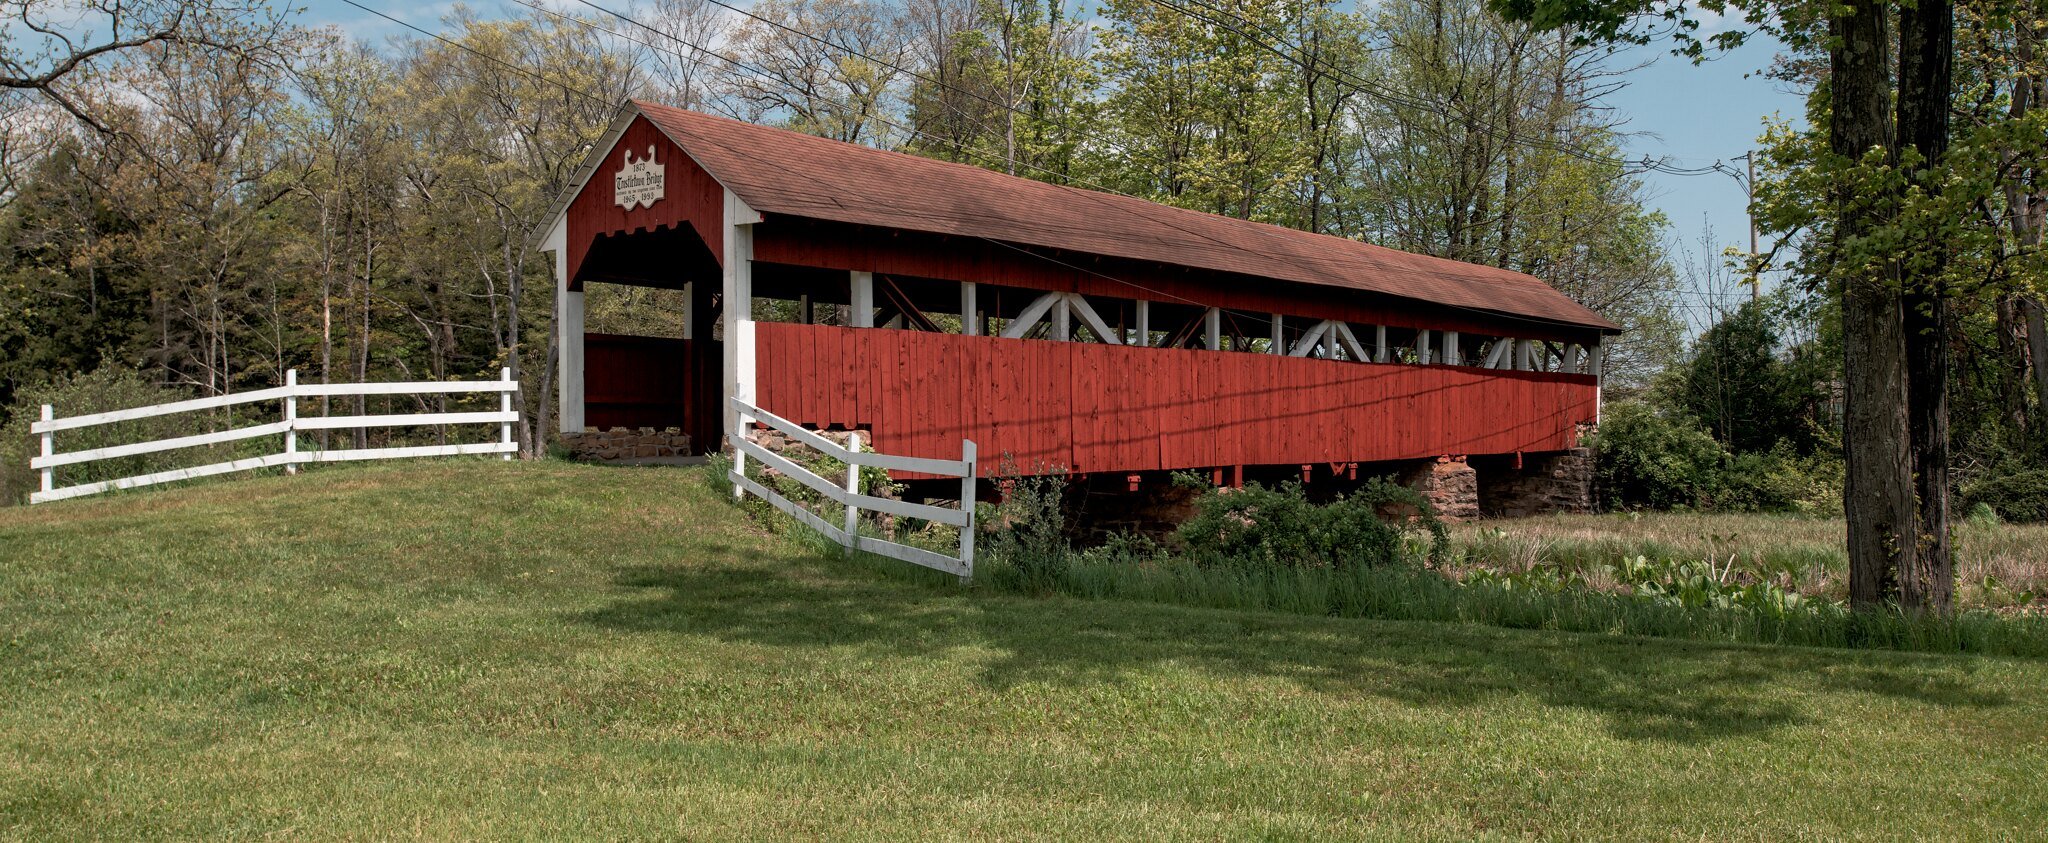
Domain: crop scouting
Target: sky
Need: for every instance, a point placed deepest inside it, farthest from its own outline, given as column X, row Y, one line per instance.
column 1696, row 115
column 1693, row 115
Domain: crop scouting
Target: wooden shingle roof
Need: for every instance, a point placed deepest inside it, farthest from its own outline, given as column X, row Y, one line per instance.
column 783, row 172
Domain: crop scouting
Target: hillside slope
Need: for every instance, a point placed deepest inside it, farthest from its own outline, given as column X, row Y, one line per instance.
column 484, row 650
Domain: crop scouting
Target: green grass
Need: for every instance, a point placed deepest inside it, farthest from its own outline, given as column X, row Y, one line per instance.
column 1415, row 595
column 482, row 650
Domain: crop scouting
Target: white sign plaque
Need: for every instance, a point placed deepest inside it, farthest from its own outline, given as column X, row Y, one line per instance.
column 639, row 183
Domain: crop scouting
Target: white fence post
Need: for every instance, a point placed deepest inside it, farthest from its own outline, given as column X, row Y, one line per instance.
column 49, row 450
column 968, row 461
column 739, row 452
column 505, row 406
column 852, row 523
column 291, row 418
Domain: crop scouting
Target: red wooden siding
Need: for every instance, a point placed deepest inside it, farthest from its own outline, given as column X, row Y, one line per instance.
column 1093, row 407
column 652, row 382
column 690, row 197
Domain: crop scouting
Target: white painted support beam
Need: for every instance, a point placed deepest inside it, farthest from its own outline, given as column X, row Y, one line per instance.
column 1062, row 319
column 1144, row 338
column 568, row 337
column 1379, row 344
column 970, row 325
column 1596, row 365
column 1278, row 344
column 1422, row 355
column 1452, row 354
column 1525, row 355
column 1350, row 341
column 1497, row 356
column 1212, row 329
column 1309, row 341
column 1079, row 306
column 863, row 299
column 1033, row 312
column 738, row 273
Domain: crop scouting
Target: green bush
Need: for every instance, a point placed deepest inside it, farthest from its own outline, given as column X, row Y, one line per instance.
column 1779, row 482
column 101, row 390
column 1280, row 528
column 1645, row 459
column 2015, row 496
column 1030, row 533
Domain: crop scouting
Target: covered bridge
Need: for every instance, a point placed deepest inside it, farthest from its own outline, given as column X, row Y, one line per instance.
column 844, row 287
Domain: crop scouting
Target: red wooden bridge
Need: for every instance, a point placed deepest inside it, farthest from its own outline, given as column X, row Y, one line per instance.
column 928, row 303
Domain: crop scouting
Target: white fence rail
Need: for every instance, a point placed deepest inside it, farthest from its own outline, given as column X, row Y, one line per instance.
column 287, row 427
column 849, row 495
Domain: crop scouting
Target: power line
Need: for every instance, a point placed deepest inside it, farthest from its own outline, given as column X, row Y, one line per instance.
column 487, row 57
column 964, row 150
column 1368, row 88
column 851, row 51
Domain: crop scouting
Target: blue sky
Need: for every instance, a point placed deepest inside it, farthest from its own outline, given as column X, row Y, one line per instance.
column 1692, row 114
column 1697, row 115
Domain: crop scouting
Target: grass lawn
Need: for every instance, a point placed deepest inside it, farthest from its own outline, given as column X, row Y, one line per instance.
column 487, row 650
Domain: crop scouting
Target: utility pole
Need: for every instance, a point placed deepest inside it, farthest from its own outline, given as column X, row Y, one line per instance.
column 1752, row 269
column 1756, row 281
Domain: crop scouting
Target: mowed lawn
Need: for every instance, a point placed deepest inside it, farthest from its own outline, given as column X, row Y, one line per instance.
column 488, row 650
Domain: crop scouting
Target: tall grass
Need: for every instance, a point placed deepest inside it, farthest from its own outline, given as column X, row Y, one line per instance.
column 1408, row 594
column 1998, row 566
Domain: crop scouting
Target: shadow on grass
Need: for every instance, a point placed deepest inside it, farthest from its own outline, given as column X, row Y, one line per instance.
column 1637, row 689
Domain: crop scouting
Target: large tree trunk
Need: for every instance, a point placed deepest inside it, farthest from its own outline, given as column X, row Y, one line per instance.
column 2037, row 352
column 2022, row 344
column 1926, row 53
column 1878, row 496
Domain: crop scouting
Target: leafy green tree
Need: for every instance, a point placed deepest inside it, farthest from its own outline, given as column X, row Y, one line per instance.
column 1736, row 384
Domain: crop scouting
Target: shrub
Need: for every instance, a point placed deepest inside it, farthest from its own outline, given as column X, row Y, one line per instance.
column 2015, row 496
column 110, row 387
column 1031, row 528
column 1644, row 459
column 1778, row 481
column 1280, row 528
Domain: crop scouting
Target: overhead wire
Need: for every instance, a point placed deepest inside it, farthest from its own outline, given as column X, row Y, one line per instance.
column 1370, row 89
column 733, row 62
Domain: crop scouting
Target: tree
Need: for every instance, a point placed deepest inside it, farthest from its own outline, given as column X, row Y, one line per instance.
column 500, row 124
column 50, row 47
column 1893, row 553
column 824, row 67
column 1738, row 387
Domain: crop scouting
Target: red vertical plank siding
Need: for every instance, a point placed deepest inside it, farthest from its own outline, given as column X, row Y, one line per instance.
column 1100, row 408
column 690, row 197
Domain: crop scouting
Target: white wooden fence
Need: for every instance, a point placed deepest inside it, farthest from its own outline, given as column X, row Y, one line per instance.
column 849, row 494
column 287, row 427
